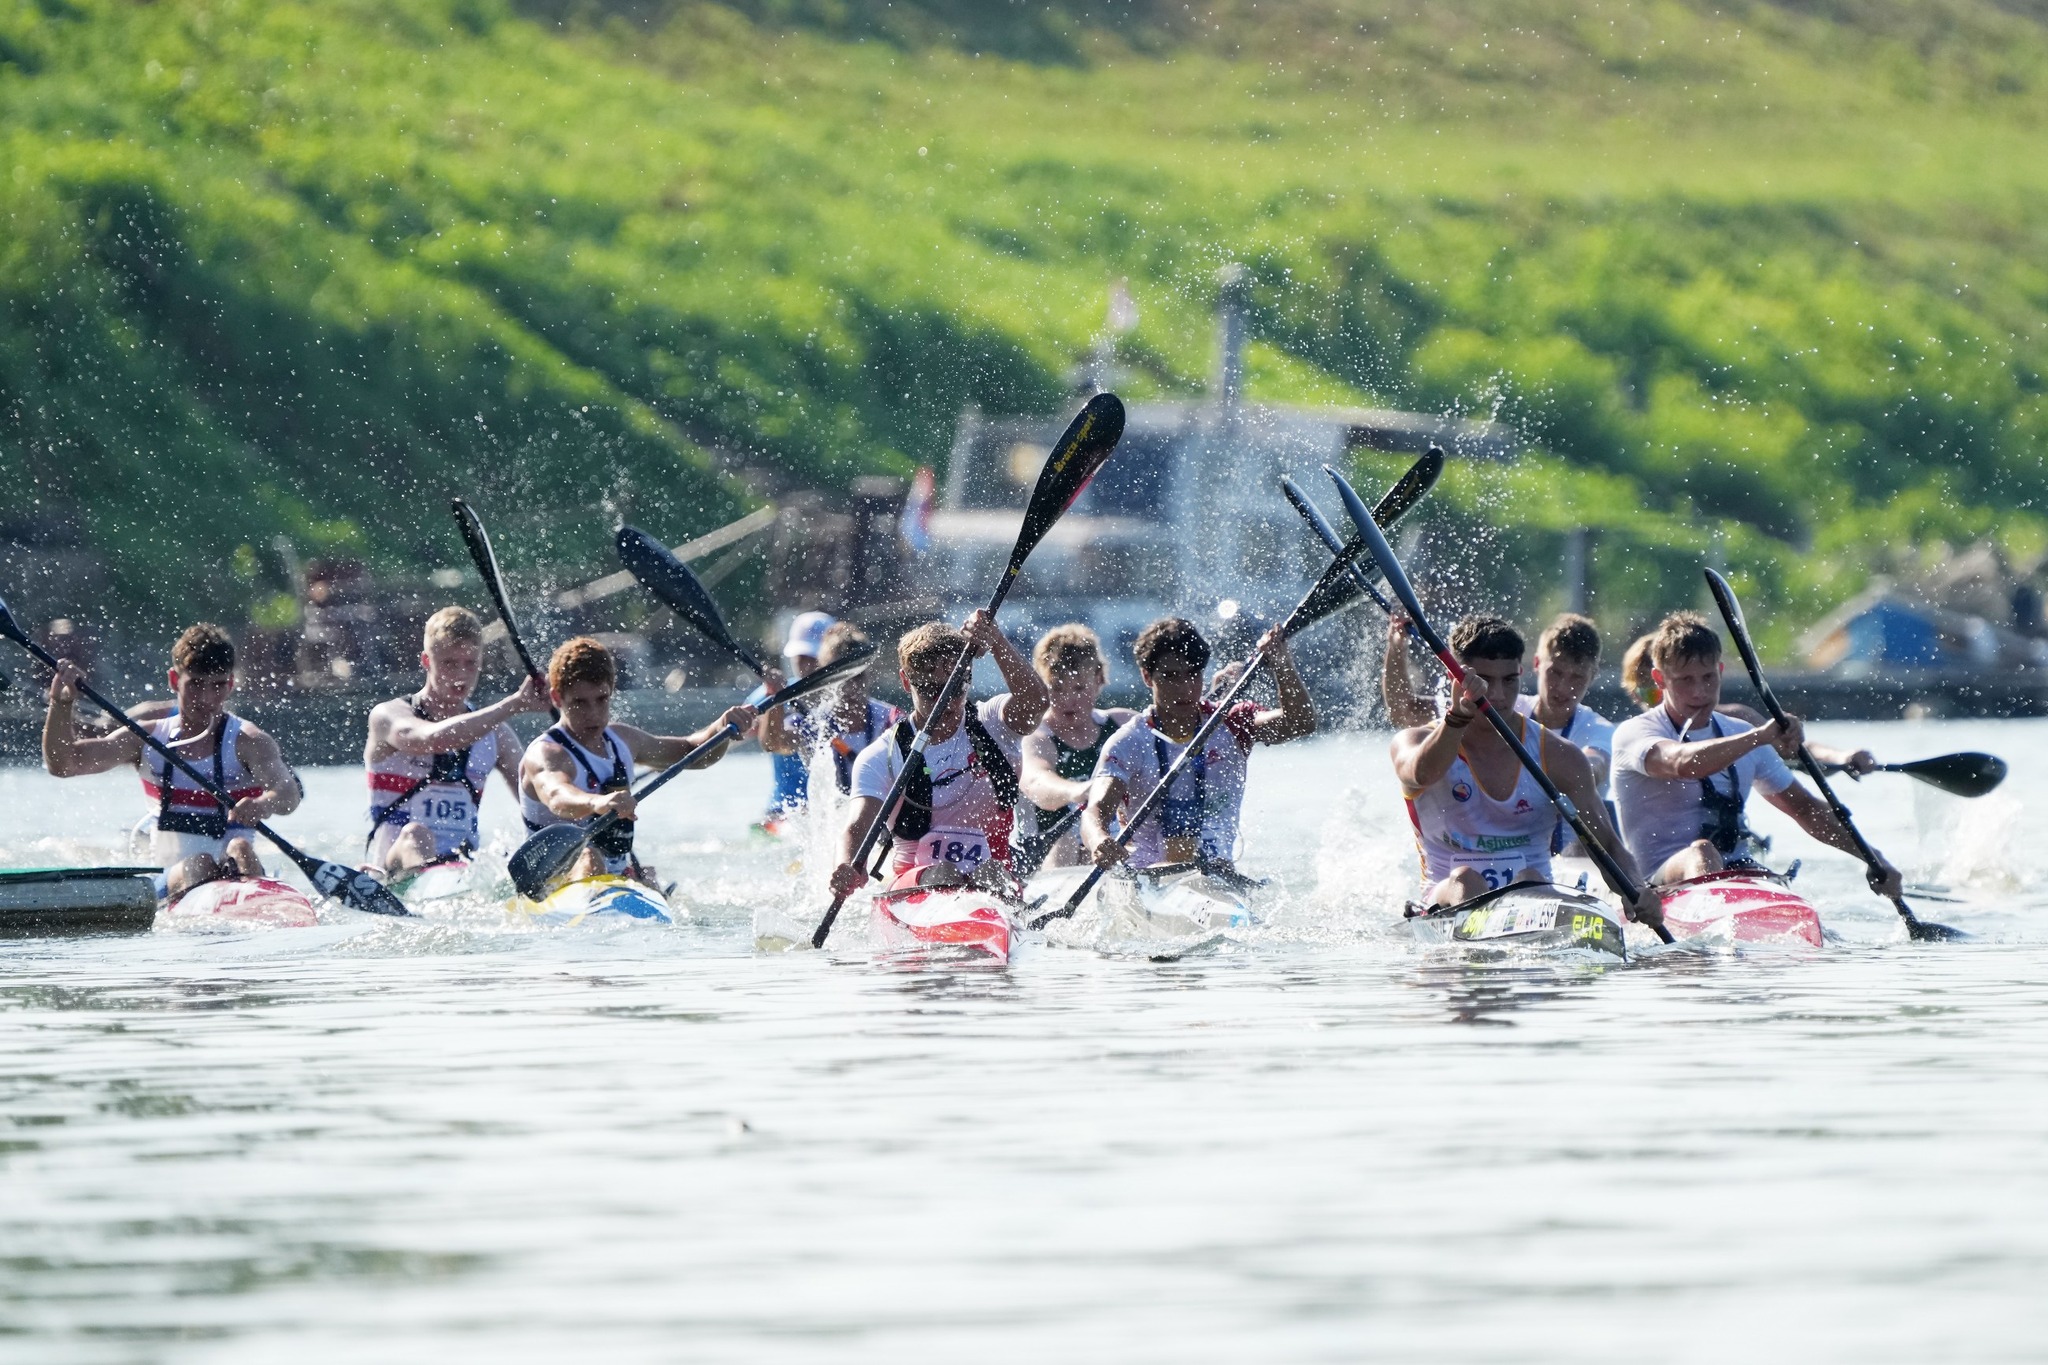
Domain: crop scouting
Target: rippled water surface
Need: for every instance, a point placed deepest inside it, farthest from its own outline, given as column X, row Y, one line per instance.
column 468, row 1139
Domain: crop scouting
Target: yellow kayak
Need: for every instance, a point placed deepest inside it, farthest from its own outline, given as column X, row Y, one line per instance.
column 597, row 897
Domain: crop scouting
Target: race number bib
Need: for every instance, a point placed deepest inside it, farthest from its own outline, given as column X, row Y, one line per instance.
column 450, row 815
column 966, row 849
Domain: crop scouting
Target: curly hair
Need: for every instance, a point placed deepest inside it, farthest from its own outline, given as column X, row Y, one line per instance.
column 1172, row 635
column 204, row 649
column 581, row 660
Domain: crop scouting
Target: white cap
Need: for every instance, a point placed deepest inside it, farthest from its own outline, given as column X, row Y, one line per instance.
column 807, row 635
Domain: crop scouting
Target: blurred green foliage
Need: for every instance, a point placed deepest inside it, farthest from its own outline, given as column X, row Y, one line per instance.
column 1776, row 269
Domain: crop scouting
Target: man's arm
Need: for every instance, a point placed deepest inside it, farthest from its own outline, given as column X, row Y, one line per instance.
column 65, row 752
column 406, row 733
column 1407, row 709
column 548, row 769
column 281, row 792
column 1816, row 819
column 848, row 876
column 1028, row 697
column 1105, row 798
column 1671, row 760
column 1424, row 754
column 1040, row 781
column 1296, row 715
column 658, row 751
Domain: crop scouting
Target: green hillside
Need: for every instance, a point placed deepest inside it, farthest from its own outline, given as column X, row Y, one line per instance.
column 1776, row 270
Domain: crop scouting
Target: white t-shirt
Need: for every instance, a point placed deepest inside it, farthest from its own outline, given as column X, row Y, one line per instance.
column 963, row 800
column 1132, row 756
column 1587, row 728
column 1659, row 815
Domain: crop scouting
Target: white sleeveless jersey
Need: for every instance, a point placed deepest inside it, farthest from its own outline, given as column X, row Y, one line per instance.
column 188, row 820
column 595, row 772
column 440, row 791
column 1458, row 823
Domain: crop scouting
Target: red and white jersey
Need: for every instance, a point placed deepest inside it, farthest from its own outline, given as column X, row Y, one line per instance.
column 441, row 791
column 1458, row 823
column 1208, row 796
column 970, row 823
column 188, row 819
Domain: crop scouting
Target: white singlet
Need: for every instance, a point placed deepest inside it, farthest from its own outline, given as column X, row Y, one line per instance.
column 595, row 773
column 1458, row 823
column 440, row 791
column 188, row 820
column 970, row 825
column 1206, row 798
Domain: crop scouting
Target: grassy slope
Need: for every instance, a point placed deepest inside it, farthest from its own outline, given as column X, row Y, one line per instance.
column 1775, row 265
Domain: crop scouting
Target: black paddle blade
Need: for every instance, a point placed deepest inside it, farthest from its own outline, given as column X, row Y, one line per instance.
column 1411, row 488
column 7, row 626
column 1075, row 457
column 1337, row 589
column 356, row 889
column 476, row 538
column 1375, row 543
column 1922, row 931
column 1968, row 774
column 675, row 587
column 537, row 864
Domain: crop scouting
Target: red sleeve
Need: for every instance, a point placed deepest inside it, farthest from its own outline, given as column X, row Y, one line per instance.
column 1240, row 721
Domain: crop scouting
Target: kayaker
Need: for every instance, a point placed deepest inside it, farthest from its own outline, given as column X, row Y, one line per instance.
column 582, row 767
column 429, row 755
column 1481, row 821
column 790, row 770
column 194, row 839
column 1684, row 769
column 1060, row 755
column 954, row 820
column 1639, row 680
column 1197, row 820
column 845, row 720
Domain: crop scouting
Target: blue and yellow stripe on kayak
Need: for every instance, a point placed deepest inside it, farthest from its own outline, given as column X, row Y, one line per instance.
column 598, row 897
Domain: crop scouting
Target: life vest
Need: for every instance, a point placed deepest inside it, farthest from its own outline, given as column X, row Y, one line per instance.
column 616, row 842
column 914, row 815
column 440, row 791
column 183, row 807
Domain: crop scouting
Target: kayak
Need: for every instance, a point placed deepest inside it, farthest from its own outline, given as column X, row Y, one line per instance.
column 40, row 901
column 1523, row 917
column 922, row 918
column 1168, row 909
column 1740, row 905
column 599, row 898
column 244, row 902
column 436, row 882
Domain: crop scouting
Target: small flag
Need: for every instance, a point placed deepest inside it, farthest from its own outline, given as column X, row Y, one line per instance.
column 916, row 526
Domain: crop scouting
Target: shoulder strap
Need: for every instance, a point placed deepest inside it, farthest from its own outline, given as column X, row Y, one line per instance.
column 994, row 761
column 914, row 814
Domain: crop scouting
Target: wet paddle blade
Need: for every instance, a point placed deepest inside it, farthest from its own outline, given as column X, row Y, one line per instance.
column 1074, row 460
column 1337, row 589
column 539, row 862
column 1411, row 488
column 1968, row 774
column 355, row 888
column 477, row 540
column 824, row 676
column 670, row 580
column 1382, row 553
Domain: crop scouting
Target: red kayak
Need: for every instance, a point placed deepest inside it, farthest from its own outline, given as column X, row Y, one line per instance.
column 247, row 902
column 929, row 917
column 1740, row 905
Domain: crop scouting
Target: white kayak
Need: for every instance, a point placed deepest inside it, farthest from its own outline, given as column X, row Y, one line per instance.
column 40, row 901
column 1525, row 917
column 1159, row 911
column 239, row 902
column 444, row 881
column 619, row 899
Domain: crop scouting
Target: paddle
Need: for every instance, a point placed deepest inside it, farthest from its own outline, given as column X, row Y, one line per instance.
column 672, row 583
column 1731, row 612
column 1081, row 451
column 536, row 864
column 479, row 543
column 1027, row 857
column 1966, row 774
column 1418, row 620
column 351, row 886
column 1336, row 589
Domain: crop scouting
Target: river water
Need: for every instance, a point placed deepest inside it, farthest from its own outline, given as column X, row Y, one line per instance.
column 467, row 1139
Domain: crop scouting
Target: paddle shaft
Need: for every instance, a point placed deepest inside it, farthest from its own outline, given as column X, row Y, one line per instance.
column 1157, row 795
column 955, row 681
column 725, row 735
column 306, row 861
column 1724, row 597
column 1327, row 533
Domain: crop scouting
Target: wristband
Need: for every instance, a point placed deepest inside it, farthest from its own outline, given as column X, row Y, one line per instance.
column 1457, row 724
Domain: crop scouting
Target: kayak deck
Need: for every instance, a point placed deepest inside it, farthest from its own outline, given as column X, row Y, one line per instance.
column 928, row 917
column 1740, row 905
column 1523, row 917
column 1162, row 911
column 244, row 902
column 600, row 898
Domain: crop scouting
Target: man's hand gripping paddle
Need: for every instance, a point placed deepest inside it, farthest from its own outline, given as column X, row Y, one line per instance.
column 1340, row 585
column 480, row 554
column 1624, row 886
column 1731, row 612
column 538, row 862
column 1081, row 451
column 351, row 886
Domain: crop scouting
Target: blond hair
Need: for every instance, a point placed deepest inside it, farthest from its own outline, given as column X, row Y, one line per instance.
column 453, row 625
column 926, row 655
column 1068, row 649
column 1683, row 635
column 581, row 660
